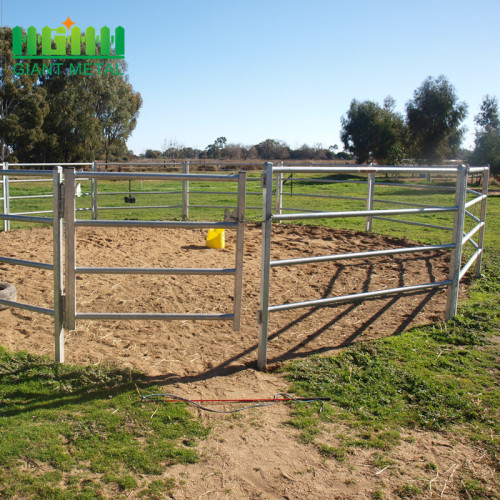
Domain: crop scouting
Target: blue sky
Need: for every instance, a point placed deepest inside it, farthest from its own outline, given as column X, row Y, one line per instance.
column 283, row 69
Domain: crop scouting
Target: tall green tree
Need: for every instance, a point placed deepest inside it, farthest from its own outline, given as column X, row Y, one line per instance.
column 487, row 143
column 434, row 116
column 23, row 105
column 369, row 131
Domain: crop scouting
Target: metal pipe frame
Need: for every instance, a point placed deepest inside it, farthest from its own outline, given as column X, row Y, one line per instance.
column 154, row 316
column 33, row 196
column 22, row 218
column 472, row 216
column 138, row 207
column 363, row 169
column 158, row 177
column 70, row 247
column 369, row 201
column 239, row 253
column 121, row 193
column 6, row 201
column 364, row 213
column 155, row 223
column 27, row 263
column 30, row 180
column 27, row 307
column 475, row 200
column 304, row 195
column 412, row 223
column 31, row 173
column 265, row 270
column 417, row 186
column 51, row 165
column 359, row 255
column 156, row 270
column 58, row 245
column 405, row 203
column 185, row 192
column 359, row 296
column 472, row 232
column 456, row 254
column 486, row 181
column 471, row 261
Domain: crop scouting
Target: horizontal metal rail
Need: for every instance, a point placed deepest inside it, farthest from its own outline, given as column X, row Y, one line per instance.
column 50, row 165
column 475, row 170
column 33, row 213
column 359, row 255
column 154, row 223
column 39, row 173
column 472, row 216
column 22, row 218
column 472, row 191
column 121, row 193
column 363, row 170
column 412, row 223
column 471, row 233
column 471, row 261
column 404, row 203
column 31, row 196
column 27, row 263
column 27, row 307
column 418, row 186
column 155, row 270
column 11, row 181
column 364, row 213
column 359, row 296
column 159, row 177
column 133, row 207
column 304, row 195
column 154, row 316
column 475, row 200
column 319, row 180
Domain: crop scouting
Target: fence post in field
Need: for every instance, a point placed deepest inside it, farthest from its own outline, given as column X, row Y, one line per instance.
column 458, row 232
column 480, row 241
column 57, row 222
column 94, row 195
column 185, row 192
column 267, row 207
column 369, row 200
column 279, row 192
column 6, row 197
column 70, row 243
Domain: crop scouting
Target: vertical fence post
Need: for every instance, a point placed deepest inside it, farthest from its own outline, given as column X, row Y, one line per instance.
column 57, row 222
column 240, row 247
column 369, row 200
column 6, row 197
column 267, row 202
column 480, row 241
column 458, row 234
column 279, row 192
column 185, row 192
column 94, row 194
column 70, row 244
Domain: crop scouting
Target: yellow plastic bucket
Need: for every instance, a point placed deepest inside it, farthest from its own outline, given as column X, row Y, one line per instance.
column 216, row 238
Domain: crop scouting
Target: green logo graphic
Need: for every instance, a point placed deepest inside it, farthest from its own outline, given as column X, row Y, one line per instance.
column 57, row 48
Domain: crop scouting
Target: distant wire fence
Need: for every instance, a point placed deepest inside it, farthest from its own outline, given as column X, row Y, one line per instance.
column 178, row 198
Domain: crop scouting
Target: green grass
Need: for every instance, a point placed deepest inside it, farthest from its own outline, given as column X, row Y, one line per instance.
column 438, row 377
column 84, row 432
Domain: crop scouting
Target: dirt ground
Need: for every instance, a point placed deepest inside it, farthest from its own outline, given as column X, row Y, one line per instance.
column 253, row 454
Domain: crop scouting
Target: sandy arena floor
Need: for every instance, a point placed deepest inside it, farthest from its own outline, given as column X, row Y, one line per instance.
column 193, row 349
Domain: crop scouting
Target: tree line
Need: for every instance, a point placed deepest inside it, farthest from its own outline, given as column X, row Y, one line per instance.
column 269, row 149
column 48, row 114
column 430, row 132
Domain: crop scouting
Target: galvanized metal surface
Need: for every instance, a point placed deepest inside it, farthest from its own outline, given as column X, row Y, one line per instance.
column 359, row 296
column 359, row 255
